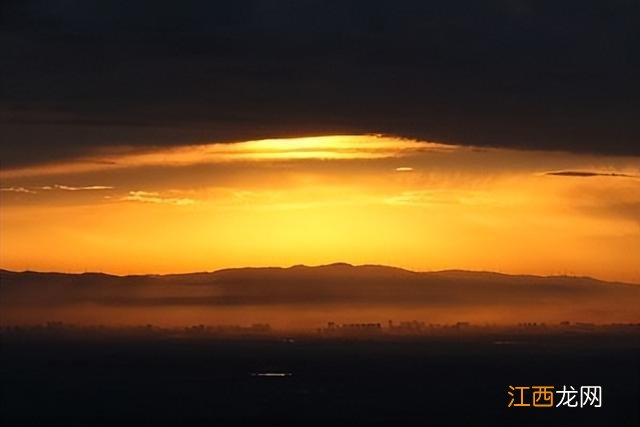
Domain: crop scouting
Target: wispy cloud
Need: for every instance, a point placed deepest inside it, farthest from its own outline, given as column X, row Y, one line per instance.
column 71, row 188
column 421, row 198
column 586, row 174
column 404, row 169
column 34, row 190
column 18, row 190
column 334, row 147
column 155, row 197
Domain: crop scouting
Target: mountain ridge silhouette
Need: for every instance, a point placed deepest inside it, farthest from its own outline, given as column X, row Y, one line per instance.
column 335, row 267
column 330, row 284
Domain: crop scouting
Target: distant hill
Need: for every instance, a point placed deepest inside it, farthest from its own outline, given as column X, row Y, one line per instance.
column 338, row 283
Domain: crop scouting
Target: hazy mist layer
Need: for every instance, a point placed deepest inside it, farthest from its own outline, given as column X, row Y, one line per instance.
column 301, row 297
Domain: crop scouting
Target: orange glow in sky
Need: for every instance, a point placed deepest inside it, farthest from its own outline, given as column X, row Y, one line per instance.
column 358, row 199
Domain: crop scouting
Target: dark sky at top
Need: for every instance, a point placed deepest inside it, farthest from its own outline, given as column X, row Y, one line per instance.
column 78, row 76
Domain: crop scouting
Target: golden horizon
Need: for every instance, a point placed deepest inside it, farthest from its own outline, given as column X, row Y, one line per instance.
column 359, row 198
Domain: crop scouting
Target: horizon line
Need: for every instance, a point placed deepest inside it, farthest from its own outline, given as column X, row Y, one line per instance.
column 332, row 264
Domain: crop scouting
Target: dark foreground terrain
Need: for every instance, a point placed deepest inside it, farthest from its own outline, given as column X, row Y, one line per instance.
column 75, row 381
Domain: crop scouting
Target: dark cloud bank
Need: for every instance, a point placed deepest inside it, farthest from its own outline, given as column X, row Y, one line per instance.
column 79, row 76
column 588, row 174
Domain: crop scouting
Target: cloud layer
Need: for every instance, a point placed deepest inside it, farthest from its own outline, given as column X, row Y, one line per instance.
column 82, row 78
column 587, row 174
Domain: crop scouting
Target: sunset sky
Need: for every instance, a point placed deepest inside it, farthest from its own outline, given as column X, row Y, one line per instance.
column 257, row 210
column 153, row 138
column 353, row 198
